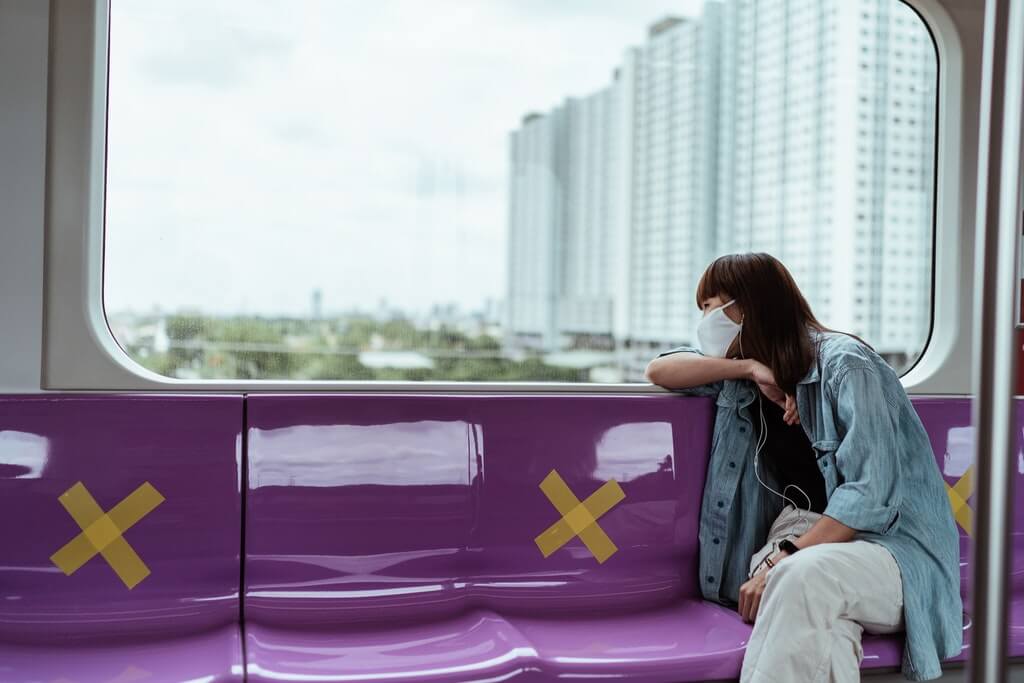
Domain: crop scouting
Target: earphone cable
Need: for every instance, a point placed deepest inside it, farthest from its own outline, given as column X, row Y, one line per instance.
column 762, row 440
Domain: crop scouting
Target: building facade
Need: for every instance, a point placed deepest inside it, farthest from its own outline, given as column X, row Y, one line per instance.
column 806, row 130
column 673, row 134
column 826, row 140
column 536, row 230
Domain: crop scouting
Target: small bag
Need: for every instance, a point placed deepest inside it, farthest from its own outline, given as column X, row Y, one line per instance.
column 791, row 523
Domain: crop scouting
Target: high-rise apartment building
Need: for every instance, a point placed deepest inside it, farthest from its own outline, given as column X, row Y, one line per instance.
column 673, row 83
column 804, row 129
column 592, row 218
column 566, row 191
column 826, row 149
column 617, row 189
column 535, row 239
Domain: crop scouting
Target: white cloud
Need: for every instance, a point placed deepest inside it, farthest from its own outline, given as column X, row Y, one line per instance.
column 260, row 150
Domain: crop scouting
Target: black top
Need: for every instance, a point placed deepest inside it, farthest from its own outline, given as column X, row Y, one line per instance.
column 789, row 457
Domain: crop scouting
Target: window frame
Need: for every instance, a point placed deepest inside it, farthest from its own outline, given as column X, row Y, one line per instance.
column 80, row 352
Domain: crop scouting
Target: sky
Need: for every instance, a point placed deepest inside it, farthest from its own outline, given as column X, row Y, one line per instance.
column 260, row 150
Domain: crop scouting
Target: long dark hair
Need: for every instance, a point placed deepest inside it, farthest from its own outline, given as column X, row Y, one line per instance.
column 777, row 317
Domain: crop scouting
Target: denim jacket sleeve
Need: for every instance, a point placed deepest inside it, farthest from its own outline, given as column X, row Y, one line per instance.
column 869, row 495
column 711, row 389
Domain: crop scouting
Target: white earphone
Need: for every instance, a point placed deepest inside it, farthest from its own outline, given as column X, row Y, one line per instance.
column 762, row 439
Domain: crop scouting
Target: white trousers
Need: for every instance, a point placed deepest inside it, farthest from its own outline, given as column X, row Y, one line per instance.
column 815, row 606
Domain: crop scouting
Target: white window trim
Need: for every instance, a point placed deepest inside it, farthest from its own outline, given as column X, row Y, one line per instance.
column 80, row 353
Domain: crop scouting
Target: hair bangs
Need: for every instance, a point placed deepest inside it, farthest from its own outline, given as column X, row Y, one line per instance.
column 718, row 279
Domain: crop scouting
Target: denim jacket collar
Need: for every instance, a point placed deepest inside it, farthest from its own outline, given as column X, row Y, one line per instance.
column 812, row 374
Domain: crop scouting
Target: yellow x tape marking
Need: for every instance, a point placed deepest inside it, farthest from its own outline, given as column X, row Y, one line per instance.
column 958, row 495
column 578, row 519
column 101, row 532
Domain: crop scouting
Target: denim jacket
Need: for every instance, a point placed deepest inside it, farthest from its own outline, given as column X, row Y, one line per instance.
column 881, row 478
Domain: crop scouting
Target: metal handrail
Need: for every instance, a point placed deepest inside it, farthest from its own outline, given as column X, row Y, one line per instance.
column 997, row 227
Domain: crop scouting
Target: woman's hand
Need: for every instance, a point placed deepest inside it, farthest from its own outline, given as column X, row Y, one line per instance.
column 752, row 590
column 791, row 416
column 750, row 596
column 762, row 375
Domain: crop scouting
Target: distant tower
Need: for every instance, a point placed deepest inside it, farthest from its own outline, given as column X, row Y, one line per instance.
column 828, row 158
column 318, row 301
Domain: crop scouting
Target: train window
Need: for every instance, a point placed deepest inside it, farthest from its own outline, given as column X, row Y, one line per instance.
column 415, row 191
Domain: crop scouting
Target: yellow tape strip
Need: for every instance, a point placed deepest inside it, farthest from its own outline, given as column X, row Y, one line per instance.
column 959, row 493
column 137, row 505
column 578, row 519
column 102, row 533
column 965, row 487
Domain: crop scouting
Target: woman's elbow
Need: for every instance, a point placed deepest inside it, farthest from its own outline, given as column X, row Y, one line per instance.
column 653, row 372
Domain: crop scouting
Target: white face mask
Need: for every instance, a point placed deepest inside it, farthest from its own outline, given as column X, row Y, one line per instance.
column 716, row 331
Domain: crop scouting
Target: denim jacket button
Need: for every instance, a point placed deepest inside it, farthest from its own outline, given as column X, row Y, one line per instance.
column 742, row 428
column 715, row 541
column 721, row 504
column 732, row 464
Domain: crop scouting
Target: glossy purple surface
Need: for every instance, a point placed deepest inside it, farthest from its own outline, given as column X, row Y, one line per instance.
column 387, row 537
column 394, row 535
column 372, row 508
column 188, row 448
column 209, row 657
column 690, row 640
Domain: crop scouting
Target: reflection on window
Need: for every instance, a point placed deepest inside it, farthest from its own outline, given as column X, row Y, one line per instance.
column 415, row 191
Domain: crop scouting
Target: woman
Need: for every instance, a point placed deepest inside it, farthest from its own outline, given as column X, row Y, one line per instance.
column 866, row 538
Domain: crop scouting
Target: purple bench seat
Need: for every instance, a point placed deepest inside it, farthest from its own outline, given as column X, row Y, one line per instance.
column 392, row 537
column 691, row 641
column 704, row 640
column 179, row 623
column 387, row 538
column 213, row 656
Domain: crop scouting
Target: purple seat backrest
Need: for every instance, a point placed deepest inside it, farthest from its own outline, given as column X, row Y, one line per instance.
column 369, row 507
column 363, row 508
column 948, row 422
column 188, row 448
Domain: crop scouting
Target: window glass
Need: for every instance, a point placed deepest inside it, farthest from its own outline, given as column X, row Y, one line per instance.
column 505, row 190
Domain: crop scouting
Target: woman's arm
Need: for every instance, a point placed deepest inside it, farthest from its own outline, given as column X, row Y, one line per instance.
column 683, row 370
column 868, row 460
column 825, row 530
